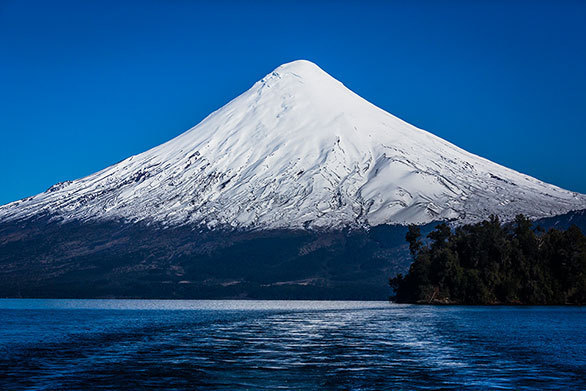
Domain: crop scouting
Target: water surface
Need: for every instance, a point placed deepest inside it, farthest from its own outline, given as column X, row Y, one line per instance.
column 130, row 344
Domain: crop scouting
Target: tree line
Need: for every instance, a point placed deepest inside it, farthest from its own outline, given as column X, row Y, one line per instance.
column 494, row 263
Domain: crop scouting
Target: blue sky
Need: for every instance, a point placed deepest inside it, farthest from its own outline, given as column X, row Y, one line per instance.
column 85, row 84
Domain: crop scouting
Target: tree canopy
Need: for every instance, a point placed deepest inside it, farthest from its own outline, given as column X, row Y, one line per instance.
column 494, row 263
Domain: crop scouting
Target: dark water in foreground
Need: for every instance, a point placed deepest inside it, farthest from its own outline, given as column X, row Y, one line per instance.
column 126, row 344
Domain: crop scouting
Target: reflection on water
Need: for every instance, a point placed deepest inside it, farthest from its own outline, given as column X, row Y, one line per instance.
column 130, row 344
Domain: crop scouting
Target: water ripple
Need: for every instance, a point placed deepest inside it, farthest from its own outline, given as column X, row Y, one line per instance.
column 56, row 345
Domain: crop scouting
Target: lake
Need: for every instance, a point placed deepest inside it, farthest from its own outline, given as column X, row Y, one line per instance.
column 176, row 344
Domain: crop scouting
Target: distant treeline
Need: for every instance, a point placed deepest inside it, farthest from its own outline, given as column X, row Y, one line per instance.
column 495, row 263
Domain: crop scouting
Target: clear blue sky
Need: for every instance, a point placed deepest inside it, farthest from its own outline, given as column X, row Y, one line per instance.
column 85, row 84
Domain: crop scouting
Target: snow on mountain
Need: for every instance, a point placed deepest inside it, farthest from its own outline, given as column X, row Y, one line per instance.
column 300, row 150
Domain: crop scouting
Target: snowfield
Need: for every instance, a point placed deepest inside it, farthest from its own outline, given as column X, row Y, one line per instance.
column 300, row 150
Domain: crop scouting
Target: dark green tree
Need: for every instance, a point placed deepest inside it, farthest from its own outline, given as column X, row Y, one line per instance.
column 413, row 237
column 494, row 263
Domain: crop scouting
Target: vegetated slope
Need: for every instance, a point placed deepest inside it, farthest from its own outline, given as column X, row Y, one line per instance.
column 111, row 259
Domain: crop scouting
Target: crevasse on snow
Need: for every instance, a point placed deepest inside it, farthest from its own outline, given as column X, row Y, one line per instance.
column 300, row 150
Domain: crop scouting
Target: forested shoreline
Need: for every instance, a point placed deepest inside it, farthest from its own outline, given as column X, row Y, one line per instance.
column 491, row 263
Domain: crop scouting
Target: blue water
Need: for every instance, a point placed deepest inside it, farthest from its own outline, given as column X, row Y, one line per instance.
column 137, row 344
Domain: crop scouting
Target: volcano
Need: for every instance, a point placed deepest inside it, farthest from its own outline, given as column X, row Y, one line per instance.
column 298, row 188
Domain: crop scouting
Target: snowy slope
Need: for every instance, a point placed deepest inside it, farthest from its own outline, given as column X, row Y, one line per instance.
column 298, row 150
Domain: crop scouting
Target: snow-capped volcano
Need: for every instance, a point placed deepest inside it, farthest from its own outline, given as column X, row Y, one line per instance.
column 300, row 150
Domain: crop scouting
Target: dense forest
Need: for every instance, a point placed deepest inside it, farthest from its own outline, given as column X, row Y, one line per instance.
column 494, row 263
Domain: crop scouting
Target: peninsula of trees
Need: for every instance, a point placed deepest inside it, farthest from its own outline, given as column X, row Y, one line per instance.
column 494, row 263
